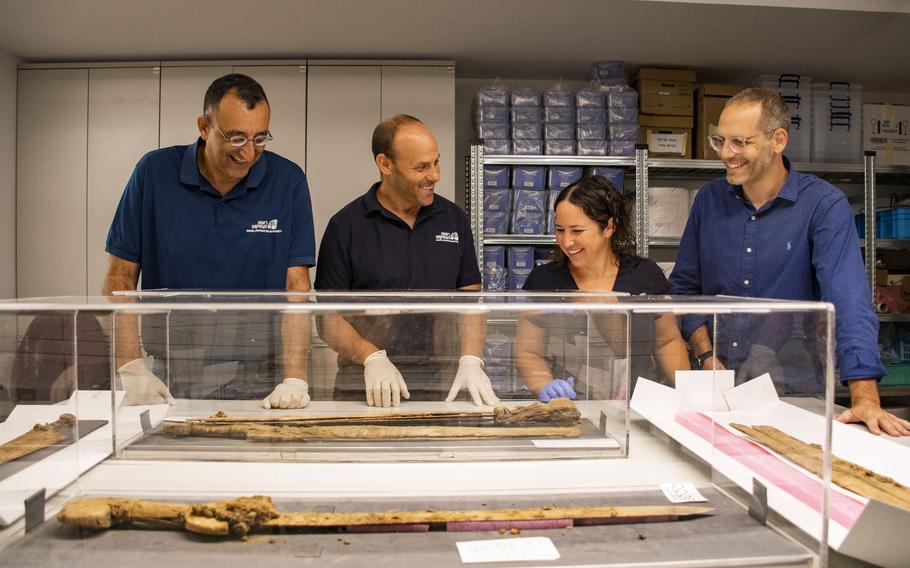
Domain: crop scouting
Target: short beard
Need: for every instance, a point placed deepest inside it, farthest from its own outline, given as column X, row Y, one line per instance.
column 758, row 168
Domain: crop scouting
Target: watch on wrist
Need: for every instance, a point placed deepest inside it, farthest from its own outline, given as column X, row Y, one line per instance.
column 703, row 357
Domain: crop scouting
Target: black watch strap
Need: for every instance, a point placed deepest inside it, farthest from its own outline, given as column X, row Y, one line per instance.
column 704, row 357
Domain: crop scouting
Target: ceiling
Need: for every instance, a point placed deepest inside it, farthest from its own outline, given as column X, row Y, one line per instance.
column 487, row 38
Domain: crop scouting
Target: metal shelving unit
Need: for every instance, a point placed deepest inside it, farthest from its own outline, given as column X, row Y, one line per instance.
column 643, row 167
column 474, row 192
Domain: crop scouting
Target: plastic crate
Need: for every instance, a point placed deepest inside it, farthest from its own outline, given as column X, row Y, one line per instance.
column 904, row 349
column 900, row 223
column 896, row 375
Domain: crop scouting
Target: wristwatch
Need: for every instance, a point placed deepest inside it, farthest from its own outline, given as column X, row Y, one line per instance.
column 703, row 357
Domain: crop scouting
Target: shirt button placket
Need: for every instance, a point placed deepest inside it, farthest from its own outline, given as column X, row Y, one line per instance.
column 748, row 259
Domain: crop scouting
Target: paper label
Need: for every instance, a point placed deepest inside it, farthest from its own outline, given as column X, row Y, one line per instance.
column 662, row 143
column 682, row 493
column 507, row 550
column 577, row 443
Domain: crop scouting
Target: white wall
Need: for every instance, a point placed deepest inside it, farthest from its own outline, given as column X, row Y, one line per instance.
column 7, row 175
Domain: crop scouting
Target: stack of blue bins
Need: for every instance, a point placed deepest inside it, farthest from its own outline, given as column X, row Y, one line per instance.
column 495, row 275
column 622, row 120
column 527, row 122
column 558, row 178
column 558, row 122
column 497, row 199
column 621, row 106
column 521, row 261
column 497, row 359
column 528, row 200
column 491, row 120
column 590, row 123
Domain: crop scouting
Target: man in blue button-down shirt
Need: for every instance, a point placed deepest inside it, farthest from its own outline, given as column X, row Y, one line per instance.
column 768, row 231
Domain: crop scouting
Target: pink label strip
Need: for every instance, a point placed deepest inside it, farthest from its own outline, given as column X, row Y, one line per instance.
column 843, row 509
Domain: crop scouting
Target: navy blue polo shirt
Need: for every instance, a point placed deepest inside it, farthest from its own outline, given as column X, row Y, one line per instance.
column 184, row 234
column 367, row 247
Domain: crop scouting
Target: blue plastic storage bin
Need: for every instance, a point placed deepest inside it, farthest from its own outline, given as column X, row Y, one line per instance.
column 529, row 177
column 559, row 177
column 496, row 177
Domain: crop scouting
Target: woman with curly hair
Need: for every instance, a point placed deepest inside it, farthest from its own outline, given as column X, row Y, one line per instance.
column 595, row 253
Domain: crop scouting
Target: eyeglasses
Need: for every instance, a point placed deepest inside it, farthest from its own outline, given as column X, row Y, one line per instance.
column 737, row 143
column 239, row 141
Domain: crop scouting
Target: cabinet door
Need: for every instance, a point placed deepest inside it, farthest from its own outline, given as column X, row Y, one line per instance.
column 122, row 127
column 182, row 92
column 50, row 182
column 343, row 108
column 427, row 93
column 285, row 87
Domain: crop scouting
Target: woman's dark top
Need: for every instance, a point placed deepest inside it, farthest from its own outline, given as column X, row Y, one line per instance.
column 635, row 277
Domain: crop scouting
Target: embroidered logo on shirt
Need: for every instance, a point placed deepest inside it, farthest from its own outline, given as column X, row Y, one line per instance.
column 447, row 237
column 264, row 227
column 788, row 245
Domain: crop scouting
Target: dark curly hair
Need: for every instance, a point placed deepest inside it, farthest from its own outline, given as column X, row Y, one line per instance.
column 599, row 199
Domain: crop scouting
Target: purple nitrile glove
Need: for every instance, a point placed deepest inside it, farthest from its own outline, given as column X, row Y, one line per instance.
column 557, row 388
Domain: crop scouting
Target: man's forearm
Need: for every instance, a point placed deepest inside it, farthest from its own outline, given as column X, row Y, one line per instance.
column 123, row 275
column 864, row 390
column 472, row 330
column 295, row 326
column 700, row 341
column 340, row 335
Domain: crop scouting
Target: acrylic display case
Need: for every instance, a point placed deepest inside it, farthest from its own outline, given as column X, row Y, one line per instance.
column 643, row 419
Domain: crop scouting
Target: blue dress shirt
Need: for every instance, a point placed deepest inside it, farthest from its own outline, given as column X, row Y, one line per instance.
column 802, row 245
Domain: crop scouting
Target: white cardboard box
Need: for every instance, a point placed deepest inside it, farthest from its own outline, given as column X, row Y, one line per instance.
column 858, row 526
column 886, row 129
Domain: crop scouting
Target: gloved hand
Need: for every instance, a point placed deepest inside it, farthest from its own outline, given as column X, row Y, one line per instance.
column 384, row 383
column 470, row 375
column 291, row 393
column 761, row 360
column 557, row 388
column 141, row 385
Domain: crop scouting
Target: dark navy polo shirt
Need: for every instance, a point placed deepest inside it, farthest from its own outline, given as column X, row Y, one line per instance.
column 184, row 234
column 367, row 247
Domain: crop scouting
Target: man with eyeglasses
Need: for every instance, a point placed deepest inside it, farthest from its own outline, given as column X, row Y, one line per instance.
column 769, row 231
column 220, row 214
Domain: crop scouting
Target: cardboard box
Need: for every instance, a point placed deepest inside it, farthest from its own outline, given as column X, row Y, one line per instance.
column 710, row 99
column 886, row 129
column 666, row 136
column 684, row 75
column 881, row 276
column 666, row 105
column 665, row 91
column 663, row 88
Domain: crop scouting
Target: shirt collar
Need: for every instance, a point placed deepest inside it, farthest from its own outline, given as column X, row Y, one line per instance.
column 371, row 205
column 788, row 191
column 190, row 174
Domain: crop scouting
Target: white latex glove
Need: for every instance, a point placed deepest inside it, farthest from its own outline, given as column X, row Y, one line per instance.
column 291, row 393
column 761, row 360
column 470, row 375
column 141, row 385
column 384, row 384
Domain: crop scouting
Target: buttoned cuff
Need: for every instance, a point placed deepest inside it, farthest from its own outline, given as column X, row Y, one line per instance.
column 860, row 364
